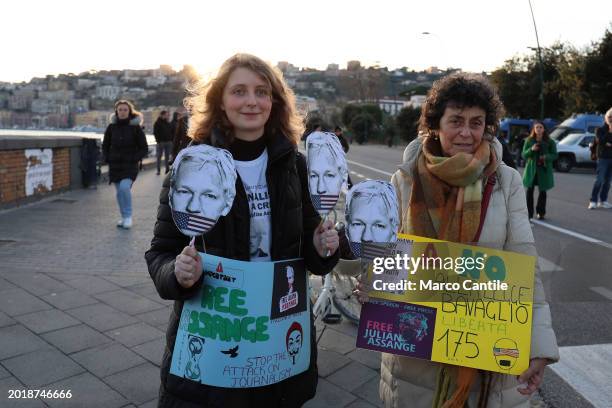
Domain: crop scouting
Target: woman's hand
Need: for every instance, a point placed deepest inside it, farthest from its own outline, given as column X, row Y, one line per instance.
column 532, row 377
column 362, row 292
column 535, row 147
column 188, row 267
column 325, row 239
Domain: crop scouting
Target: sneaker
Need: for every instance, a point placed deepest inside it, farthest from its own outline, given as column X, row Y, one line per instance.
column 592, row 205
column 127, row 223
column 540, row 217
column 120, row 223
column 604, row 204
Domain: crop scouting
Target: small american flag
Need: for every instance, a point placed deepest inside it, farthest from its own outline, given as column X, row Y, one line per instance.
column 324, row 202
column 193, row 222
column 505, row 352
column 371, row 250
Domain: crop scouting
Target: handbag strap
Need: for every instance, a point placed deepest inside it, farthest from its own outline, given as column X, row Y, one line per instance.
column 484, row 205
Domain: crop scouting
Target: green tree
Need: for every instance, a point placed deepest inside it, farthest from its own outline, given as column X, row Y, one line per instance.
column 407, row 122
column 374, row 111
column 363, row 126
column 349, row 112
column 598, row 73
column 389, row 129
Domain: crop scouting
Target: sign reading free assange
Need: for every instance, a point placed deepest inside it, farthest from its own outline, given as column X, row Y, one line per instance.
column 451, row 303
column 249, row 326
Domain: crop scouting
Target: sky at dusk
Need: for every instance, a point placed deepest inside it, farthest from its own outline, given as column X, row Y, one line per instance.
column 52, row 37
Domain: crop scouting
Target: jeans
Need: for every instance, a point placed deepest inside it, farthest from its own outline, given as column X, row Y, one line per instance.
column 602, row 182
column 166, row 149
column 124, row 197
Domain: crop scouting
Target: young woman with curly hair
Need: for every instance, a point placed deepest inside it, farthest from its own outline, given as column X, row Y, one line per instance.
column 249, row 110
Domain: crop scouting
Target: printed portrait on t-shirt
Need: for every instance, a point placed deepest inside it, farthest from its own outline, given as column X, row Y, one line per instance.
column 372, row 214
column 258, row 239
column 202, row 188
column 327, row 170
column 289, row 289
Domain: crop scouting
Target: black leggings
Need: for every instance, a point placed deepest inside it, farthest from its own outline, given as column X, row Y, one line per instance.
column 541, row 205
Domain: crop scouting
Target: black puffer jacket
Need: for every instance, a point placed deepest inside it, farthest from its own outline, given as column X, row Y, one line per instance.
column 124, row 145
column 294, row 220
column 162, row 130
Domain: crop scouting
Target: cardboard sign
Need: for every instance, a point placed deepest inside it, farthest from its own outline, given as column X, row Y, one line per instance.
column 202, row 188
column 249, row 326
column 463, row 305
column 327, row 170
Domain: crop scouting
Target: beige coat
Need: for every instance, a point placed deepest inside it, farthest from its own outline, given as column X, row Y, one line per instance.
column 411, row 382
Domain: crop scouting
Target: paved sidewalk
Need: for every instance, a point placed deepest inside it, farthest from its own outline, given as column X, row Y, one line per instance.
column 79, row 312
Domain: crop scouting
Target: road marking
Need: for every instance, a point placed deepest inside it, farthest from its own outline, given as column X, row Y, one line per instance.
column 587, row 370
column 547, row 266
column 572, row 233
column 605, row 292
column 386, row 173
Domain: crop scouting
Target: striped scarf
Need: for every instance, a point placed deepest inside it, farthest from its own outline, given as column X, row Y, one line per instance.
column 445, row 204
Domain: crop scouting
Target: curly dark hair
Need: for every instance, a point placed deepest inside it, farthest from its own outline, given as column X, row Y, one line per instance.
column 461, row 90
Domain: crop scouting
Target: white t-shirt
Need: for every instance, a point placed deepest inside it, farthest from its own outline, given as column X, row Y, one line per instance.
column 253, row 176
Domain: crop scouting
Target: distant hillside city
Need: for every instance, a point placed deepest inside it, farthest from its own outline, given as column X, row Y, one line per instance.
column 84, row 101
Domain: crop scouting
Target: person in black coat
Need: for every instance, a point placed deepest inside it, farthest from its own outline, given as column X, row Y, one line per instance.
column 345, row 147
column 162, row 130
column 249, row 110
column 181, row 139
column 123, row 146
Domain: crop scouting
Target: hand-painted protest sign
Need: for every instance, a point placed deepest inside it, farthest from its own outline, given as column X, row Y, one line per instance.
column 460, row 304
column 327, row 170
column 249, row 325
column 202, row 188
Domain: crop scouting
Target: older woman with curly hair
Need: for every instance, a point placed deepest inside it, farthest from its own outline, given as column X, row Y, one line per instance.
column 440, row 187
column 249, row 110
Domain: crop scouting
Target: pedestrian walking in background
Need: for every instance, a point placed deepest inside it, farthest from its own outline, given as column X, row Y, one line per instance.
column 455, row 161
column 176, row 116
column 506, row 155
column 123, row 146
column 539, row 152
column 345, row 147
column 181, row 138
column 162, row 130
column 603, row 152
column 250, row 111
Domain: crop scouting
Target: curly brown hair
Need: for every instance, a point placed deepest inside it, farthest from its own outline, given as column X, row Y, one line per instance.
column 461, row 90
column 205, row 101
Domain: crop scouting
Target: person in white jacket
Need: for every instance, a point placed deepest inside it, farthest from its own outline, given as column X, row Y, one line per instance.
column 440, row 187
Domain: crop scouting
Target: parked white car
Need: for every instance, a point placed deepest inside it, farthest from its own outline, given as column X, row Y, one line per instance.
column 573, row 151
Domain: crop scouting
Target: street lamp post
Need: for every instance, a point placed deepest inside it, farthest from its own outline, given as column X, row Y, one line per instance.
column 539, row 50
column 442, row 48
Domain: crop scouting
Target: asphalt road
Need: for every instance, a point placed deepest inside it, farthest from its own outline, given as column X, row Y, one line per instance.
column 575, row 249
